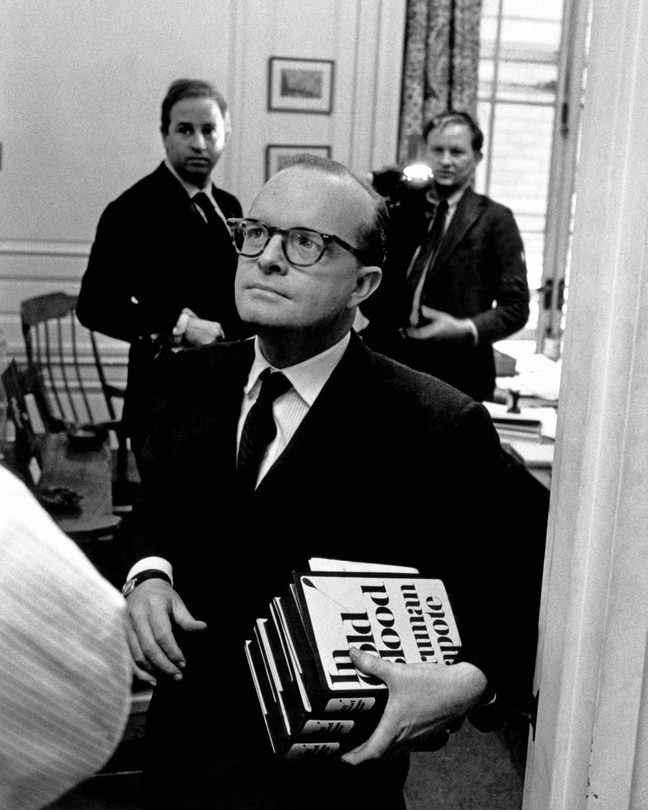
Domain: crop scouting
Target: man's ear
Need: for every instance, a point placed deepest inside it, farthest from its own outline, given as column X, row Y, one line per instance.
column 227, row 120
column 367, row 283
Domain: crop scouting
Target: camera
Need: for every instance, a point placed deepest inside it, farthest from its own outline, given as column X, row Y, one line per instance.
column 400, row 185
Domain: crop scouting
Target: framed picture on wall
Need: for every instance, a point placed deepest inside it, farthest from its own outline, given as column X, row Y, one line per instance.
column 300, row 85
column 278, row 156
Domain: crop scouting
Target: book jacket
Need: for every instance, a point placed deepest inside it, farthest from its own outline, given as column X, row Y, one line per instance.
column 401, row 618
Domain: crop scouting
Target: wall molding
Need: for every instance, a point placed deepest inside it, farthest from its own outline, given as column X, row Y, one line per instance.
column 34, row 247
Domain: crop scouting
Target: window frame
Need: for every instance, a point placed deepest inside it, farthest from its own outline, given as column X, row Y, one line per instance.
column 547, row 298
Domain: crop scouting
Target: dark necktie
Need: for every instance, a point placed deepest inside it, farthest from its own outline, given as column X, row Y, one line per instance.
column 259, row 429
column 202, row 201
column 429, row 246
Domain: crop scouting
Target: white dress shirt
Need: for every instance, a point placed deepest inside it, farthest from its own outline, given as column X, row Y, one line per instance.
column 453, row 202
column 307, row 378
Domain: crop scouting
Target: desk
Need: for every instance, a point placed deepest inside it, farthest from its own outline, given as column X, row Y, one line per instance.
column 536, row 456
column 528, row 435
column 87, row 472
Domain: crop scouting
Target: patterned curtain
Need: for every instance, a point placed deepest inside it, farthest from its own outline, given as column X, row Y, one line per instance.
column 440, row 67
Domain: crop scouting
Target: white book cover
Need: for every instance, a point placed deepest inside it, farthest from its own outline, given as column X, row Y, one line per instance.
column 329, row 564
column 401, row 618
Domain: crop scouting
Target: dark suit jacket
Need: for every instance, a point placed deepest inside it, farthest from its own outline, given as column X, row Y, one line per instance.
column 479, row 273
column 152, row 245
column 388, row 465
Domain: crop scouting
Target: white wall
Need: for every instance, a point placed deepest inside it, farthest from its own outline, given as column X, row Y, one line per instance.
column 82, row 82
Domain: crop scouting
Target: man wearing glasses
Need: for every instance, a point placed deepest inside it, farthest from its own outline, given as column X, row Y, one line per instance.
column 364, row 459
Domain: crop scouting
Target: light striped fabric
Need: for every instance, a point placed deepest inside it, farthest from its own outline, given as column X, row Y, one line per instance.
column 65, row 672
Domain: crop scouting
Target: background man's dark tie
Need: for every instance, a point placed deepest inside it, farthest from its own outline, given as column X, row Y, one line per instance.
column 429, row 246
column 259, row 428
column 204, row 203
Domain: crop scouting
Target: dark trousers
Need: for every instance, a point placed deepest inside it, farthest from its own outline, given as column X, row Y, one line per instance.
column 208, row 748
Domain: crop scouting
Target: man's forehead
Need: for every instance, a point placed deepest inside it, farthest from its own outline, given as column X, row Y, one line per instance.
column 190, row 108
column 454, row 129
column 311, row 198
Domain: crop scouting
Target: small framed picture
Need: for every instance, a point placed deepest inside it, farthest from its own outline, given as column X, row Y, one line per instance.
column 300, row 85
column 278, row 156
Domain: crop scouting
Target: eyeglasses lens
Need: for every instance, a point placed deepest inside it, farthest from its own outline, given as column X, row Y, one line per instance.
column 302, row 247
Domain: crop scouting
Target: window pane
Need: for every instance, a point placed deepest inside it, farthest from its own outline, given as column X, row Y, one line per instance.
column 533, row 249
column 538, row 41
column 531, row 9
column 483, row 119
column 524, row 81
column 520, row 156
column 487, row 37
column 490, row 8
column 518, row 78
column 486, row 77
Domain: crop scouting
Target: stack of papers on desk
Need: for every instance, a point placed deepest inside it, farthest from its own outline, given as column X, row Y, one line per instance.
column 533, row 424
column 536, row 376
column 534, row 455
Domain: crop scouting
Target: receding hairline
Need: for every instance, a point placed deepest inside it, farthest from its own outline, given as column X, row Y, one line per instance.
column 371, row 225
column 330, row 168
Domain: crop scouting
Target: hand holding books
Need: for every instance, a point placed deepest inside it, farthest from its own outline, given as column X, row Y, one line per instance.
column 358, row 663
column 424, row 701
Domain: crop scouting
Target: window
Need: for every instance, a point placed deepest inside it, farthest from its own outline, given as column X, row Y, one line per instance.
column 523, row 99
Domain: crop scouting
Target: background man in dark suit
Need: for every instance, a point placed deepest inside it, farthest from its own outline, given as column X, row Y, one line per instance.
column 371, row 461
column 441, row 310
column 161, row 269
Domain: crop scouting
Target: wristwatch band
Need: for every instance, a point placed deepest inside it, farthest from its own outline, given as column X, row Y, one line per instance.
column 152, row 573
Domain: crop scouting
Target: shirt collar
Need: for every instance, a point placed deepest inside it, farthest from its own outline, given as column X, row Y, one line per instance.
column 308, row 377
column 190, row 188
column 453, row 199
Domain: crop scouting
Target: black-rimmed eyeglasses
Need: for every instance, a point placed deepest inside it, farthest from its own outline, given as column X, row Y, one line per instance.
column 302, row 247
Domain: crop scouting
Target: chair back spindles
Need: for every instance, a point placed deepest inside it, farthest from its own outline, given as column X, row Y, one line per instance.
column 77, row 369
column 67, row 378
column 63, row 357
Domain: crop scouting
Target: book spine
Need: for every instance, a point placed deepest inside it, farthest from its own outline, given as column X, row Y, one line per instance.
column 302, row 750
column 322, row 701
column 263, row 691
column 314, row 735
column 313, row 700
column 298, row 720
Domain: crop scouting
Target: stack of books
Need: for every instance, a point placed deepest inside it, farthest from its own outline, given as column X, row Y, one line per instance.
column 312, row 698
column 514, row 426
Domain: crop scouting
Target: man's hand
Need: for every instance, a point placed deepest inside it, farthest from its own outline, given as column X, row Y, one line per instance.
column 154, row 608
column 196, row 331
column 424, row 700
column 433, row 324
